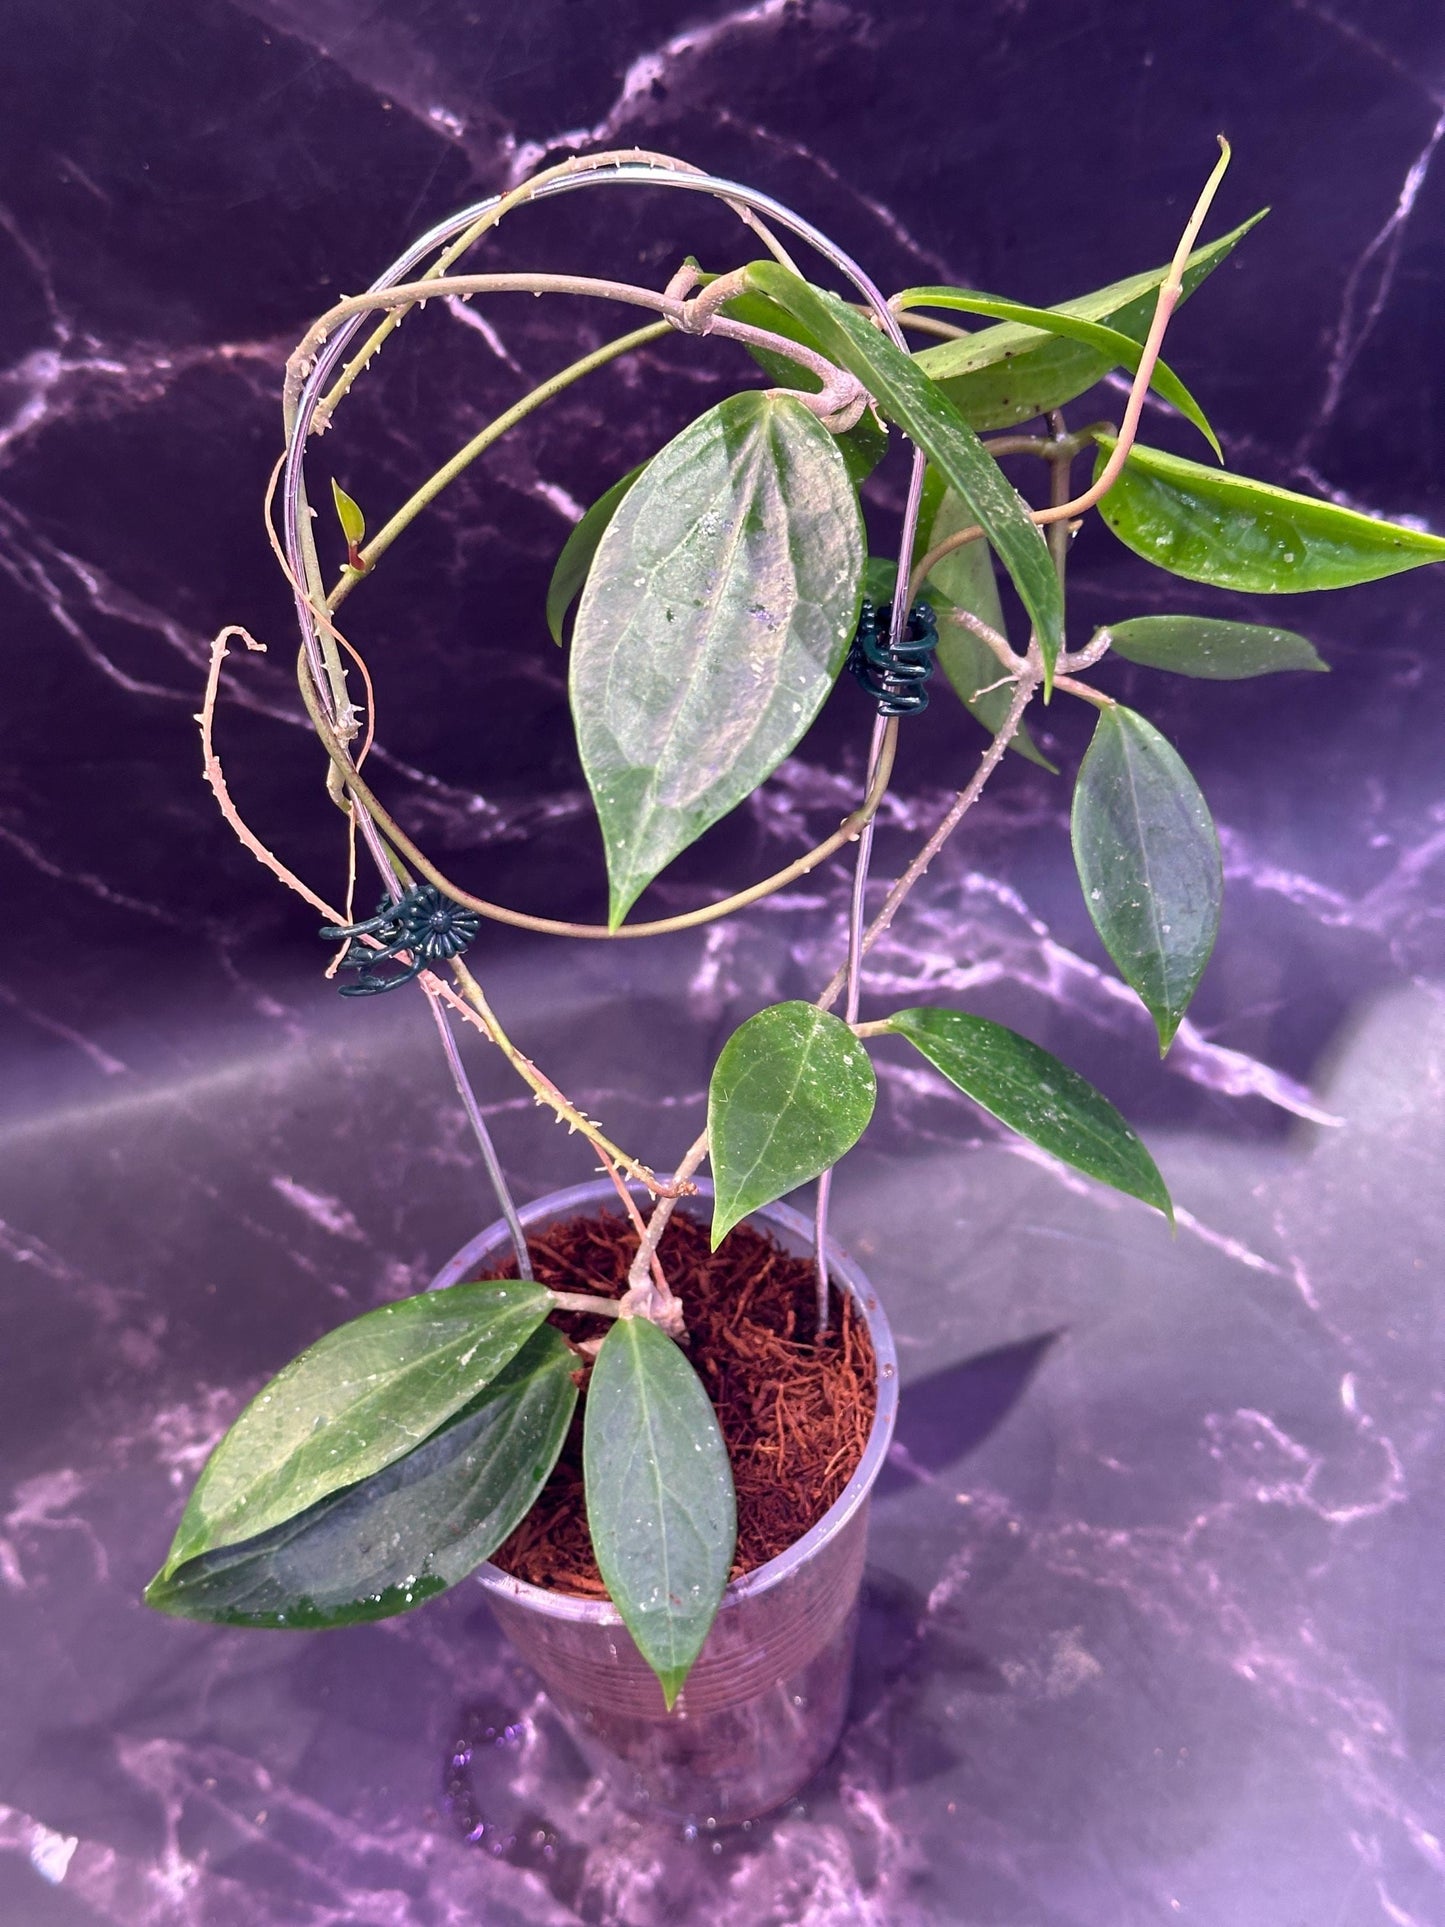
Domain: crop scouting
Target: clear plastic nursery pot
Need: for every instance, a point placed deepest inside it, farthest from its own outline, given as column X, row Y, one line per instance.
column 764, row 1705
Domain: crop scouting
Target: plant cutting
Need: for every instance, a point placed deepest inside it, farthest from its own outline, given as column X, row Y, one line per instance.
column 580, row 1407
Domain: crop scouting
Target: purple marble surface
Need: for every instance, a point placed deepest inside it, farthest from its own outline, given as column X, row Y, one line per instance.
column 1151, row 1628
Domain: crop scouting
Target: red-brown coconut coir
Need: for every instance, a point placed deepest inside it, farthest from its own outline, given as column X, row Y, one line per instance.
column 795, row 1415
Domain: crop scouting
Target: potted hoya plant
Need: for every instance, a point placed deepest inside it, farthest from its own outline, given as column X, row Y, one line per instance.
column 648, row 1412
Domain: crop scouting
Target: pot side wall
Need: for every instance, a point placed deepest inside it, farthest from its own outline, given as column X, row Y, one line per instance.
column 765, row 1703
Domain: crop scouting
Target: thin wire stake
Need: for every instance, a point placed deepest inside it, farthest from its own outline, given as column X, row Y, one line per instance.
column 854, row 987
column 853, row 981
column 387, row 872
column 483, row 1137
column 850, row 1011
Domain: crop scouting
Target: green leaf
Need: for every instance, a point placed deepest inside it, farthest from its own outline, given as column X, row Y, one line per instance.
column 906, row 394
column 792, row 1090
column 1148, row 859
column 964, row 579
column 1118, row 350
column 715, row 619
column 935, row 488
column 578, row 551
column 1240, row 534
column 353, row 522
column 880, row 578
column 660, row 1503
column 406, row 1532
column 1218, row 651
column 1034, row 1094
column 864, row 444
column 1011, row 373
column 964, row 575
column 355, row 1401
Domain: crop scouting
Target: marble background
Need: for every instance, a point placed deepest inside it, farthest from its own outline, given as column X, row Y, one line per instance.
column 1151, row 1629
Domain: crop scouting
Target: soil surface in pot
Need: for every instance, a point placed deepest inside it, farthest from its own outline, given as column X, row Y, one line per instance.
column 795, row 1415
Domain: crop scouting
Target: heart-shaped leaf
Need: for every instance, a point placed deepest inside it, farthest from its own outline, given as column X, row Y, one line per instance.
column 578, row 551
column 1034, row 1094
column 1011, row 373
column 1148, row 859
column 1239, row 534
column 355, row 1401
column 964, row 579
column 907, row 396
column 660, row 1504
column 717, row 614
column 406, row 1532
column 792, row 1090
column 1117, row 349
column 864, row 444
column 1218, row 651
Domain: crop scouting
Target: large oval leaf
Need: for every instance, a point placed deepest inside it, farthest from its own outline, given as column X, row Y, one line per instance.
column 1148, row 859
column 907, row 396
column 1034, row 1094
column 1217, row 651
column 1117, row 349
column 578, row 550
column 660, row 1503
column 791, row 1091
column 964, row 579
column 1239, row 534
column 408, row 1531
column 352, row 1403
column 1010, row 373
column 717, row 614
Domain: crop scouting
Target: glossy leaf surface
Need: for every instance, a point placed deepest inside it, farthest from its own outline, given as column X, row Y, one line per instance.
column 1240, row 534
column 792, row 1090
column 660, row 1504
column 408, row 1531
column 1031, row 1092
column 864, row 444
column 1115, row 348
column 1148, row 859
column 964, row 579
column 355, row 1401
column 907, row 396
column 1011, row 372
column 1216, row 651
column 578, row 551
column 716, row 616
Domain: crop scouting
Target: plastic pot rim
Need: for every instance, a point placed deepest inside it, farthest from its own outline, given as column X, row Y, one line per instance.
column 843, row 1272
